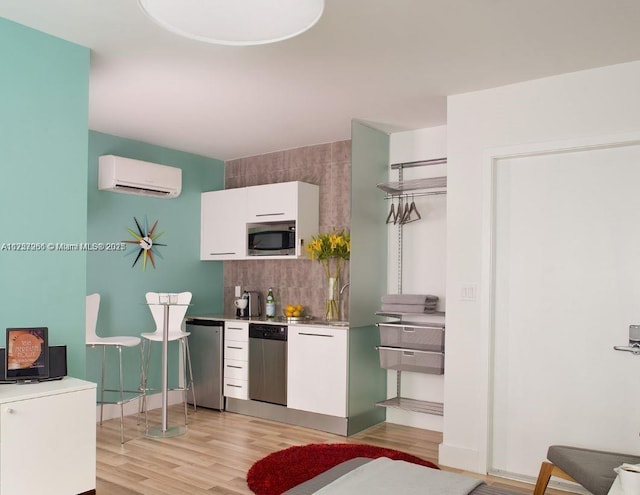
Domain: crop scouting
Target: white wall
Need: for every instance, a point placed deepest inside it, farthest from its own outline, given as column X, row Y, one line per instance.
column 424, row 251
column 579, row 105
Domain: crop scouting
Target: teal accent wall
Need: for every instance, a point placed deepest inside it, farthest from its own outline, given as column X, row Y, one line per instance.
column 110, row 273
column 44, row 85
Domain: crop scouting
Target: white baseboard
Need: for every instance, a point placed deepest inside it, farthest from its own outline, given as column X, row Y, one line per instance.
column 154, row 401
column 460, row 458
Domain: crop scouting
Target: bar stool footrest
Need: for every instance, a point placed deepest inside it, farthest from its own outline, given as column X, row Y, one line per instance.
column 130, row 395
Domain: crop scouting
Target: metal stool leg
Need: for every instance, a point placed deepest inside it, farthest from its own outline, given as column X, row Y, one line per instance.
column 121, row 395
column 104, row 357
column 193, row 389
column 147, row 345
column 142, row 385
column 184, row 385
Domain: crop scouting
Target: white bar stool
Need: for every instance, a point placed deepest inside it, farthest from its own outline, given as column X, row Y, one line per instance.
column 118, row 342
column 175, row 332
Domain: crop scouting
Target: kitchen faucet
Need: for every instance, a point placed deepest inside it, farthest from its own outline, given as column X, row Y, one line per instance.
column 342, row 310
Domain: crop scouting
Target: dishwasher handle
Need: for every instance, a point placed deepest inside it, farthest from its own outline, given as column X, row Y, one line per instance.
column 201, row 322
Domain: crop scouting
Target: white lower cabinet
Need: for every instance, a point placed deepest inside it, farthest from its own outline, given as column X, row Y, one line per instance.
column 48, row 438
column 317, row 373
column 236, row 359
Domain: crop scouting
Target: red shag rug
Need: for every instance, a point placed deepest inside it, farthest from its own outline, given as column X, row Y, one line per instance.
column 282, row 470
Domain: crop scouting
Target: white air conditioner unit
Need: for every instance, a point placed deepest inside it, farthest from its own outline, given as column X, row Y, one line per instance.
column 126, row 175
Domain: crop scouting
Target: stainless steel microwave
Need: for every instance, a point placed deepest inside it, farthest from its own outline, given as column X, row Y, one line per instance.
column 278, row 239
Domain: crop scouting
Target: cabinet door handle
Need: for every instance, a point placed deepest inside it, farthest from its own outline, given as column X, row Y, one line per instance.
column 235, row 386
column 234, row 328
column 315, row 334
column 233, row 347
column 268, row 214
column 10, row 410
column 231, row 366
column 408, row 351
column 411, row 328
column 220, row 254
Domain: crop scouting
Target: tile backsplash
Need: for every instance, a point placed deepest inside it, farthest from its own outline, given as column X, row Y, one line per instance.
column 294, row 281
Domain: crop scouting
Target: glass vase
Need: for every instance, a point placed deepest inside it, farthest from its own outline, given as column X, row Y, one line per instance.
column 331, row 306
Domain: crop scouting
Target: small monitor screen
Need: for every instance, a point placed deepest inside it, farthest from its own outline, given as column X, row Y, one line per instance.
column 27, row 356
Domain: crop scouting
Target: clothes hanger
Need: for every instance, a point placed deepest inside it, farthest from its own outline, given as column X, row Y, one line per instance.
column 407, row 211
column 391, row 217
column 400, row 212
column 412, row 208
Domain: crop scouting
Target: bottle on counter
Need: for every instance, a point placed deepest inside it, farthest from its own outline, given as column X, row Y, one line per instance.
column 270, row 304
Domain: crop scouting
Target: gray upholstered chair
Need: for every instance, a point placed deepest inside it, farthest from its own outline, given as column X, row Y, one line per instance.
column 593, row 469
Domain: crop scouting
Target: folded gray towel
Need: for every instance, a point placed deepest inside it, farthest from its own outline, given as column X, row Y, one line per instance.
column 408, row 308
column 408, row 298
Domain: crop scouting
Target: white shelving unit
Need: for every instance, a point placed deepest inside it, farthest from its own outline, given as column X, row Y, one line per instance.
column 413, row 352
column 414, row 347
column 416, row 187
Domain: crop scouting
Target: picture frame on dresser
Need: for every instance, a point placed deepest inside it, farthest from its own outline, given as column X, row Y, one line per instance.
column 27, row 354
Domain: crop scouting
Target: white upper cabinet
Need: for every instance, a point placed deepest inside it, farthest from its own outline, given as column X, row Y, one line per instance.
column 227, row 216
column 286, row 201
column 272, row 202
column 223, row 234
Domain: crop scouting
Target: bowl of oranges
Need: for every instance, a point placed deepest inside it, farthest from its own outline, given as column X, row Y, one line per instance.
column 293, row 312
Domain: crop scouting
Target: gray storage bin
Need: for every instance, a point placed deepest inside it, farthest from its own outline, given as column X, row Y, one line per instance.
column 394, row 358
column 412, row 336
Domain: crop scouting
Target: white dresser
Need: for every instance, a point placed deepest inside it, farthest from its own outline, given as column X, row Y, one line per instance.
column 48, row 438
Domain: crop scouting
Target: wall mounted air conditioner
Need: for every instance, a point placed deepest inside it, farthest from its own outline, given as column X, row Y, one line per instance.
column 126, row 175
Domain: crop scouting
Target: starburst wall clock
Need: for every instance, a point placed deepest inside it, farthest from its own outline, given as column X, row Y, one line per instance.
column 145, row 243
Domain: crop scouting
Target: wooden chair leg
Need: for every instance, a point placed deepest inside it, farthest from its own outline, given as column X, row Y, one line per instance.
column 547, row 469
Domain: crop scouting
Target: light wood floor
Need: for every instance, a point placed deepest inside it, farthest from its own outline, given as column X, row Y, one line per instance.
column 219, row 448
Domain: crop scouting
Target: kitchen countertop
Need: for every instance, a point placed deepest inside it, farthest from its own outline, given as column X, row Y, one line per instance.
column 278, row 320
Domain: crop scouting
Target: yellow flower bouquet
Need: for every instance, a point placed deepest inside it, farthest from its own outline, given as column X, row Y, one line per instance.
column 331, row 250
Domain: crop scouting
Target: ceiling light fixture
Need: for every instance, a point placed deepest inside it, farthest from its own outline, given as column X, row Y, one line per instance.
column 235, row 22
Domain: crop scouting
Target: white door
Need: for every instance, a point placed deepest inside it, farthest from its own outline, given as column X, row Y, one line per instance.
column 567, row 286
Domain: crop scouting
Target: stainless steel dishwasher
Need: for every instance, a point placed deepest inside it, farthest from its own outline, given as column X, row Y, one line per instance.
column 206, row 347
column 268, row 363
